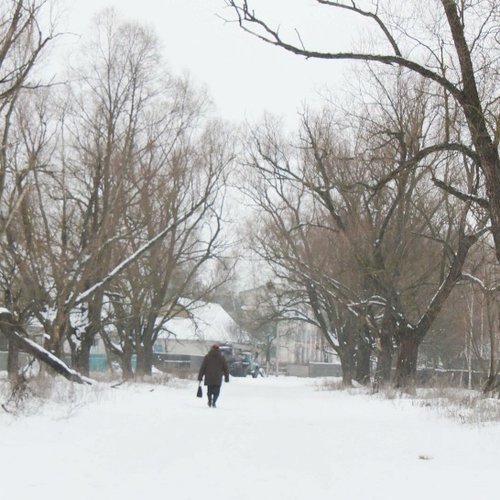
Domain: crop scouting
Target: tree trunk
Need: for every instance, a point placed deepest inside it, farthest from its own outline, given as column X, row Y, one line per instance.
column 406, row 366
column 13, row 363
column 123, row 352
column 54, row 342
column 475, row 115
column 347, row 365
column 492, row 382
column 145, row 360
column 363, row 354
column 82, row 356
column 126, row 362
column 384, row 359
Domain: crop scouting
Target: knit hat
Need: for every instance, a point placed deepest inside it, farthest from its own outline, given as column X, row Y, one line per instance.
column 216, row 345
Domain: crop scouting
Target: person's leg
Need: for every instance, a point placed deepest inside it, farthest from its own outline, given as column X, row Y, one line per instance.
column 210, row 394
column 216, row 392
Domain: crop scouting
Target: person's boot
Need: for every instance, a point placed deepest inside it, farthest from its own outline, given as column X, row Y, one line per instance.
column 209, row 401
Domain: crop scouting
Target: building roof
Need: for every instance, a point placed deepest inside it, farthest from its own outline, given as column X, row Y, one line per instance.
column 207, row 322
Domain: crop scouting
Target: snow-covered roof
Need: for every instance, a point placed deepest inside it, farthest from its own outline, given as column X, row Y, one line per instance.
column 208, row 322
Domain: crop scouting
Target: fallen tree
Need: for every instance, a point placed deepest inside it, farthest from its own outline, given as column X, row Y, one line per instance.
column 17, row 336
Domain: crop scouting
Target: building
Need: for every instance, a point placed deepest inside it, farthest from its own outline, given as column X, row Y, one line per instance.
column 292, row 346
column 186, row 338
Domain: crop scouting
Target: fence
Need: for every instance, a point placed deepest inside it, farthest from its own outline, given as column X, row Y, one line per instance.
column 314, row 370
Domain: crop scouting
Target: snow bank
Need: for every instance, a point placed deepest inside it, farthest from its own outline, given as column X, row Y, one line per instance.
column 268, row 438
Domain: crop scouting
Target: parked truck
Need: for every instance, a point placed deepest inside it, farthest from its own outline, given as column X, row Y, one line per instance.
column 241, row 363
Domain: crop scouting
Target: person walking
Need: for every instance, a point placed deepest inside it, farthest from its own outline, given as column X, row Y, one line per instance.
column 213, row 367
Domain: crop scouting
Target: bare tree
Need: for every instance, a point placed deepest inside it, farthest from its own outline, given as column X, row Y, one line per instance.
column 483, row 345
column 308, row 263
column 118, row 164
column 22, row 43
column 402, row 235
column 459, row 60
column 119, row 87
column 187, row 194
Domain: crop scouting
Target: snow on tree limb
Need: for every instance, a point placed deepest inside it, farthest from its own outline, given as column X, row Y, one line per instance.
column 75, row 300
column 17, row 335
column 120, row 267
column 480, row 283
column 482, row 202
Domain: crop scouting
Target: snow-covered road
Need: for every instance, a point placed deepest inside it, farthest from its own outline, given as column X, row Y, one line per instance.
column 274, row 438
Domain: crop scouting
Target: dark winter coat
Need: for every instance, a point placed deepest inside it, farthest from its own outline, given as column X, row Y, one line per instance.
column 213, row 367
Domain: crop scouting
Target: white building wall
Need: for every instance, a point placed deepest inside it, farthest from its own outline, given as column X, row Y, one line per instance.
column 298, row 343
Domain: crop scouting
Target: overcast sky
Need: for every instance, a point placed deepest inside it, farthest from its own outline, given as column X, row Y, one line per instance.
column 244, row 76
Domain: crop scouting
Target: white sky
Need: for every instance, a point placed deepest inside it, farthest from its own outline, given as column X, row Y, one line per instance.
column 244, row 76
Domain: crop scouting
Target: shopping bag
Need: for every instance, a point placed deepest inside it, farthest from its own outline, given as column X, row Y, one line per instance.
column 199, row 392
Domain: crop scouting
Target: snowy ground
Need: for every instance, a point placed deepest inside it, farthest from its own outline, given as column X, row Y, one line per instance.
column 274, row 438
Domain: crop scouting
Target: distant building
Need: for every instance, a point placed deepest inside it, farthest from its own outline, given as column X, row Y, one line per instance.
column 193, row 332
column 299, row 342
column 289, row 342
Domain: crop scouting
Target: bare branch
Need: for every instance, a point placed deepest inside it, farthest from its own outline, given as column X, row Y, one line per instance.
column 354, row 8
column 272, row 37
column 482, row 202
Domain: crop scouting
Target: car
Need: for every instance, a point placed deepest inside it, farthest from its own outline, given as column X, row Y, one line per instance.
column 241, row 363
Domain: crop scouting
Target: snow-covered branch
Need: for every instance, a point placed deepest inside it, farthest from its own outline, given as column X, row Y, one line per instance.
column 16, row 334
column 480, row 283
